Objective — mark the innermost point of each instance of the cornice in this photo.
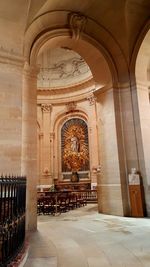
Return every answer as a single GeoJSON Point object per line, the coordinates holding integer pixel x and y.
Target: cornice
{"type": "Point", "coordinates": [65, 100]}
{"type": "Point", "coordinates": [68, 89]}
{"type": "Point", "coordinates": [10, 57]}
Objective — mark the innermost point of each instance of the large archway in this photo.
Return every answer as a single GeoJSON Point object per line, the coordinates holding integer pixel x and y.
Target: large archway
{"type": "Point", "coordinates": [111, 91]}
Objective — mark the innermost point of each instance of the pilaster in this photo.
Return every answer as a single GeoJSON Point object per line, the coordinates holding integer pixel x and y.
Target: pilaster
{"type": "Point", "coordinates": [29, 143]}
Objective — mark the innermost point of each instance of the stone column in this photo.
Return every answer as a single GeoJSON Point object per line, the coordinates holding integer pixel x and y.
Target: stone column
{"type": "Point", "coordinates": [46, 110]}
{"type": "Point", "coordinates": [52, 136]}
{"type": "Point", "coordinates": [144, 111]}
{"type": "Point", "coordinates": [110, 199]}
{"type": "Point", "coordinates": [29, 143]}
{"type": "Point", "coordinates": [11, 68]}
{"type": "Point", "coordinates": [121, 146]}
{"type": "Point", "coordinates": [40, 155]}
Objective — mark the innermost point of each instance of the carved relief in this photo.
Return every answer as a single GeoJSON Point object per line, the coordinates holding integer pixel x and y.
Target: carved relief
{"type": "Point", "coordinates": [77, 23]}
{"type": "Point", "coordinates": [64, 69]}
{"type": "Point", "coordinates": [46, 107]}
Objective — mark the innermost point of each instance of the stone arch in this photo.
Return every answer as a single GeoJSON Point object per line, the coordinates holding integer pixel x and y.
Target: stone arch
{"type": "Point", "coordinates": [101, 52]}
{"type": "Point", "coordinates": [136, 52]}
{"type": "Point", "coordinates": [51, 25]}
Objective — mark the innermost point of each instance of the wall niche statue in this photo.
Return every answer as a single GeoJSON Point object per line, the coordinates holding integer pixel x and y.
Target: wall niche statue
{"type": "Point", "coordinates": [74, 146]}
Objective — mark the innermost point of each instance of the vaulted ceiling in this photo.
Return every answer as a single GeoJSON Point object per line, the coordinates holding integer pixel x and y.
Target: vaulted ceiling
{"type": "Point", "coordinates": [122, 22]}
{"type": "Point", "coordinates": [123, 19]}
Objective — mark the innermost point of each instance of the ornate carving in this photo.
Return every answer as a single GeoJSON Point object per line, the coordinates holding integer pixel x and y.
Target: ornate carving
{"type": "Point", "coordinates": [46, 107]}
{"type": "Point", "coordinates": [77, 23]}
{"type": "Point", "coordinates": [75, 154]}
{"type": "Point", "coordinates": [91, 100]}
{"type": "Point", "coordinates": [71, 106]}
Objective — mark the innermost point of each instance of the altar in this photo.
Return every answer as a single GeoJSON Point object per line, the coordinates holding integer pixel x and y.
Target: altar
{"type": "Point", "coordinates": [72, 186]}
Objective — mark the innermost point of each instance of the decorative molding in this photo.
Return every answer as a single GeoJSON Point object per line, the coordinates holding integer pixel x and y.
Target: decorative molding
{"type": "Point", "coordinates": [46, 107]}
{"type": "Point", "coordinates": [77, 23]}
{"type": "Point", "coordinates": [67, 89]}
{"type": "Point", "coordinates": [10, 57]}
{"type": "Point", "coordinates": [52, 135]}
{"type": "Point", "coordinates": [6, 51]}
{"type": "Point", "coordinates": [71, 106]}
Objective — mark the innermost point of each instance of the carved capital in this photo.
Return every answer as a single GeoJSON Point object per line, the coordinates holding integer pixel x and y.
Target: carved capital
{"type": "Point", "coordinates": [77, 23]}
{"type": "Point", "coordinates": [52, 135]}
{"type": "Point", "coordinates": [46, 107]}
{"type": "Point", "coordinates": [91, 100]}
{"type": "Point", "coordinates": [30, 71]}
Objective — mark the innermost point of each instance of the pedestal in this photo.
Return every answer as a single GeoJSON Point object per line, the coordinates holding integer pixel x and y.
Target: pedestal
{"type": "Point", "coordinates": [136, 200]}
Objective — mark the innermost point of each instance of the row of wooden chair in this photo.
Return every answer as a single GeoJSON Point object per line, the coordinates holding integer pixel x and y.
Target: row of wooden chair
{"type": "Point", "coordinates": [59, 203]}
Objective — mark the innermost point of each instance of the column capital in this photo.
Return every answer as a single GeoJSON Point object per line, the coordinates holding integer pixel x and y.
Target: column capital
{"type": "Point", "coordinates": [30, 70]}
{"type": "Point", "coordinates": [52, 135]}
{"type": "Point", "coordinates": [91, 100]}
{"type": "Point", "coordinates": [46, 107]}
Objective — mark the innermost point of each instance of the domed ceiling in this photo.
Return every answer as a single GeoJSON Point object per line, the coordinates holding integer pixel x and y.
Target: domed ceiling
{"type": "Point", "coordinates": [61, 67]}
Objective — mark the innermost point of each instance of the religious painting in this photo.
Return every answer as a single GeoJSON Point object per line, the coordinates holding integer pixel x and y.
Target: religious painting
{"type": "Point", "coordinates": [74, 144]}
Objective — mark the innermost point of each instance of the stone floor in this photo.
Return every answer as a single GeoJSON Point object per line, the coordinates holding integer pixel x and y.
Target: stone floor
{"type": "Point", "coordinates": [84, 238]}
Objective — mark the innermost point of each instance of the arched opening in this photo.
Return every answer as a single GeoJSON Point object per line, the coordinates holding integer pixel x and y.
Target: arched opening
{"type": "Point", "coordinates": [65, 92]}
{"type": "Point", "coordinates": [102, 101]}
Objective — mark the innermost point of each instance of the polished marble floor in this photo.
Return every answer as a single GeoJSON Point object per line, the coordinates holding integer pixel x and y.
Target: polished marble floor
{"type": "Point", "coordinates": [84, 238]}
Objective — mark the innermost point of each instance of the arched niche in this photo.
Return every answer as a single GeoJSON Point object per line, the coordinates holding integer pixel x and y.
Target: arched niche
{"type": "Point", "coordinates": [61, 120]}
{"type": "Point", "coordinates": [75, 148]}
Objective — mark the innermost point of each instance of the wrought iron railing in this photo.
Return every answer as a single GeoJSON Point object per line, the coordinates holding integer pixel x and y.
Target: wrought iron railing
{"type": "Point", "coordinates": [12, 217]}
{"type": "Point", "coordinates": [89, 195]}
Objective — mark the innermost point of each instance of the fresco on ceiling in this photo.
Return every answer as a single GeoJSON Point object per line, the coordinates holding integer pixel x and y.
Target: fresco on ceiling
{"type": "Point", "coordinates": [74, 146]}
{"type": "Point", "coordinates": [61, 67]}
